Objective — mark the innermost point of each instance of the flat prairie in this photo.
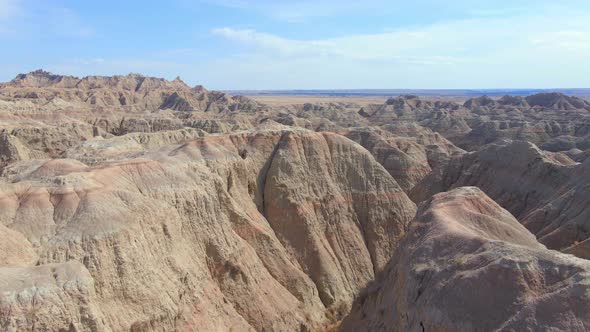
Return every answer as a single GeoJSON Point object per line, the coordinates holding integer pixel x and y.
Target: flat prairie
{"type": "Point", "coordinates": [281, 100]}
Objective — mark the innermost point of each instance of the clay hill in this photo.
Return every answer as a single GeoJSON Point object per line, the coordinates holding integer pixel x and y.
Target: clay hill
{"type": "Point", "coordinates": [132, 203]}
{"type": "Point", "coordinates": [467, 265]}
{"type": "Point", "coordinates": [548, 192]}
{"type": "Point", "coordinates": [131, 92]}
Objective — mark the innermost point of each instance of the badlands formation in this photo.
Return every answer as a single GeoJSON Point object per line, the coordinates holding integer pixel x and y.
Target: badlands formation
{"type": "Point", "coordinates": [132, 203]}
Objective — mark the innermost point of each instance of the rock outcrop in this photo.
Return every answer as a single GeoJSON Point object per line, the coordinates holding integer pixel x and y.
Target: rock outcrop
{"type": "Point", "coordinates": [12, 149]}
{"type": "Point", "coordinates": [467, 265]}
{"type": "Point", "coordinates": [263, 230]}
{"type": "Point", "coordinates": [547, 196]}
{"type": "Point", "coordinates": [557, 101]}
{"type": "Point", "coordinates": [407, 166]}
{"type": "Point", "coordinates": [132, 92]}
{"type": "Point", "coordinates": [51, 297]}
{"type": "Point", "coordinates": [483, 120]}
{"type": "Point", "coordinates": [479, 102]}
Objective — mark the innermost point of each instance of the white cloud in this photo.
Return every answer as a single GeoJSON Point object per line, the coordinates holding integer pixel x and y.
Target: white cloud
{"type": "Point", "coordinates": [395, 46]}
{"type": "Point", "coordinates": [567, 40]}
{"type": "Point", "coordinates": [518, 51]}
{"type": "Point", "coordinates": [444, 43]}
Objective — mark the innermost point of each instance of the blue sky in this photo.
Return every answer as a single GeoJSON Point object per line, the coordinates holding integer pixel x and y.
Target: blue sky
{"type": "Point", "coordinates": [320, 44]}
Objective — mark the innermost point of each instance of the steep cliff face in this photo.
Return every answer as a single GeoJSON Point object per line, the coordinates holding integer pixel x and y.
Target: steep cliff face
{"type": "Point", "coordinates": [253, 230]}
{"type": "Point", "coordinates": [405, 160]}
{"type": "Point", "coordinates": [467, 265]}
{"type": "Point", "coordinates": [12, 150]}
{"type": "Point", "coordinates": [362, 195]}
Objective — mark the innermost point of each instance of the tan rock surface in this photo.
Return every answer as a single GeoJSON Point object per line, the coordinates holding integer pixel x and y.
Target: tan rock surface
{"type": "Point", "coordinates": [254, 230]}
{"type": "Point", "coordinates": [137, 203]}
{"type": "Point", "coordinates": [52, 297]}
{"type": "Point", "coordinates": [548, 195]}
{"type": "Point", "coordinates": [467, 265]}
{"type": "Point", "coordinates": [405, 160]}
{"type": "Point", "coordinates": [132, 92]}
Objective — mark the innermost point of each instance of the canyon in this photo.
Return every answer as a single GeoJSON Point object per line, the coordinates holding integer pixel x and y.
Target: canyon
{"type": "Point", "coordinates": [133, 203]}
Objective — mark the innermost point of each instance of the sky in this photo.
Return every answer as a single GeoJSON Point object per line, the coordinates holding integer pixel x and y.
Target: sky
{"type": "Point", "coordinates": [309, 44]}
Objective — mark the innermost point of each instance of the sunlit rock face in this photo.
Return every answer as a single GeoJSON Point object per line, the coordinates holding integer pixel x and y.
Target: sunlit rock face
{"type": "Point", "coordinates": [467, 264]}
{"type": "Point", "coordinates": [257, 230]}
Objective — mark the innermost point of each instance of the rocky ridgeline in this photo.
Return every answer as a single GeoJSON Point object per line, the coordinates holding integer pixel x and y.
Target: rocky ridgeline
{"type": "Point", "coordinates": [131, 92]}
{"type": "Point", "coordinates": [466, 264]}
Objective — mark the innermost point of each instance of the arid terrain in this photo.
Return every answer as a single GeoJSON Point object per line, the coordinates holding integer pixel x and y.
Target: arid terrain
{"type": "Point", "coordinates": [287, 100]}
{"type": "Point", "coordinates": [133, 203]}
